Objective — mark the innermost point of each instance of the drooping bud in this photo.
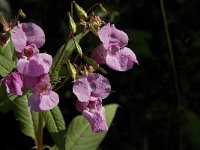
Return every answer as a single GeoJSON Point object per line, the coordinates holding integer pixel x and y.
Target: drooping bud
{"type": "Point", "coordinates": [78, 47]}
{"type": "Point", "coordinates": [22, 14]}
{"type": "Point", "coordinates": [71, 69]}
{"type": "Point", "coordinates": [72, 24]}
{"type": "Point", "coordinates": [80, 12]}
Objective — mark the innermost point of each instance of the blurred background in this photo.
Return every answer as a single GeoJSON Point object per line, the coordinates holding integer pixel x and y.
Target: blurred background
{"type": "Point", "coordinates": [150, 116]}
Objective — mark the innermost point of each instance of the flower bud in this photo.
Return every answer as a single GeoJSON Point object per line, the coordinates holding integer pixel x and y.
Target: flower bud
{"type": "Point", "coordinates": [78, 47]}
{"type": "Point", "coordinates": [80, 12]}
{"type": "Point", "coordinates": [72, 24]}
{"type": "Point", "coordinates": [22, 14]}
{"type": "Point", "coordinates": [72, 69]}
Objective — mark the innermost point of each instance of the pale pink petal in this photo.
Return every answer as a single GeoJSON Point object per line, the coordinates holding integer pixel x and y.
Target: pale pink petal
{"type": "Point", "coordinates": [36, 65]}
{"type": "Point", "coordinates": [49, 101]}
{"type": "Point", "coordinates": [100, 86]}
{"type": "Point", "coordinates": [82, 89]}
{"type": "Point", "coordinates": [18, 38]}
{"type": "Point", "coordinates": [40, 102]}
{"type": "Point", "coordinates": [35, 35]}
{"type": "Point", "coordinates": [110, 35]}
{"type": "Point", "coordinates": [122, 60]}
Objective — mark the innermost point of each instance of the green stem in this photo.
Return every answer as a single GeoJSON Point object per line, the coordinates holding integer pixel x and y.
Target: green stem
{"type": "Point", "coordinates": [179, 102]}
{"type": "Point", "coordinates": [40, 133]}
{"type": "Point", "coordinates": [63, 83]}
{"type": "Point", "coordinates": [93, 6]}
{"type": "Point", "coordinates": [170, 50]}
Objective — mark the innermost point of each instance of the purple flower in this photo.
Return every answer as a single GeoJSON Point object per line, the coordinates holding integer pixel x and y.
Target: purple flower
{"type": "Point", "coordinates": [94, 112]}
{"type": "Point", "coordinates": [91, 87]}
{"type": "Point", "coordinates": [14, 83]}
{"type": "Point", "coordinates": [112, 51]}
{"type": "Point", "coordinates": [26, 34]}
{"type": "Point", "coordinates": [37, 65]}
{"type": "Point", "coordinates": [43, 98]}
{"type": "Point", "coordinates": [31, 82]}
{"type": "Point", "coordinates": [90, 90]}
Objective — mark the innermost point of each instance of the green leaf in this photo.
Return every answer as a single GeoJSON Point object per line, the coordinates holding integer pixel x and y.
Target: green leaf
{"type": "Point", "coordinates": [80, 136]}
{"type": "Point", "coordinates": [56, 126]}
{"type": "Point", "coordinates": [63, 54]}
{"type": "Point", "coordinates": [27, 118]}
{"type": "Point", "coordinates": [8, 50]}
{"type": "Point", "coordinates": [6, 66]}
{"type": "Point", "coordinates": [5, 103]}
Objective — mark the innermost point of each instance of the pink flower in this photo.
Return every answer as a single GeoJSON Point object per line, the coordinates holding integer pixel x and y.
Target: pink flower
{"type": "Point", "coordinates": [94, 112]}
{"type": "Point", "coordinates": [91, 87]}
{"type": "Point", "coordinates": [14, 83]}
{"type": "Point", "coordinates": [43, 98]}
{"type": "Point", "coordinates": [26, 34]}
{"type": "Point", "coordinates": [90, 90]}
{"type": "Point", "coordinates": [36, 65]}
{"type": "Point", "coordinates": [112, 51]}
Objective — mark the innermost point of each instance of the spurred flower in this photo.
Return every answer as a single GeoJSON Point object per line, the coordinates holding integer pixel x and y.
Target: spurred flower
{"type": "Point", "coordinates": [90, 90]}
{"type": "Point", "coordinates": [43, 98]}
{"type": "Point", "coordinates": [94, 112]}
{"type": "Point", "coordinates": [91, 87]}
{"type": "Point", "coordinates": [37, 65]}
{"type": "Point", "coordinates": [25, 34]}
{"type": "Point", "coordinates": [14, 83]}
{"type": "Point", "coordinates": [112, 51]}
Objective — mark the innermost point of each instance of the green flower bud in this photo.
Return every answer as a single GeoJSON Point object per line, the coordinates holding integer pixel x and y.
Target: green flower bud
{"type": "Point", "coordinates": [72, 24]}
{"type": "Point", "coordinates": [78, 47]}
{"type": "Point", "coordinates": [80, 12]}
{"type": "Point", "coordinates": [71, 69]}
{"type": "Point", "coordinates": [22, 14]}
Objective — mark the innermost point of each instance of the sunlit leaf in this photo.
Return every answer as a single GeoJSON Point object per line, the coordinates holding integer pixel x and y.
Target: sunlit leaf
{"type": "Point", "coordinates": [27, 118]}
{"type": "Point", "coordinates": [56, 126]}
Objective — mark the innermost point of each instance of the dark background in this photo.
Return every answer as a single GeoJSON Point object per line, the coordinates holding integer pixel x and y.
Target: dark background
{"type": "Point", "coordinates": [149, 117]}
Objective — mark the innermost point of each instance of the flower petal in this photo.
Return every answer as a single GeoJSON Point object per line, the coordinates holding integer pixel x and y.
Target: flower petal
{"type": "Point", "coordinates": [14, 83]}
{"type": "Point", "coordinates": [99, 54]}
{"type": "Point", "coordinates": [97, 120]}
{"type": "Point", "coordinates": [18, 38]}
{"type": "Point", "coordinates": [122, 60]}
{"type": "Point", "coordinates": [100, 86]}
{"type": "Point", "coordinates": [108, 34]}
{"type": "Point", "coordinates": [30, 82]}
{"type": "Point", "coordinates": [35, 35]}
{"type": "Point", "coordinates": [40, 102]}
{"type": "Point", "coordinates": [82, 89]}
{"type": "Point", "coordinates": [36, 66]}
{"type": "Point", "coordinates": [49, 101]}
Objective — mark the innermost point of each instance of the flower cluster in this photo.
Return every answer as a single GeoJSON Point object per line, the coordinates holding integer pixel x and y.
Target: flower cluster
{"type": "Point", "coordinates": [32, 68]}
{"type": "Point", "coordinates": [91, 89]}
